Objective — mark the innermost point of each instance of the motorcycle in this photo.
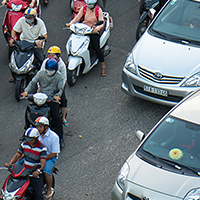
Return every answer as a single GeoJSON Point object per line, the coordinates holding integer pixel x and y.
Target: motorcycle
{"type": "Point", "coordinates": [81, 56]}
{"type": "Point", "coordinates": [76, 5]}
{"type": "Point", "coordinates": [146, 17]}
{"type": "Point", "coordinates": [15, 11]}
{"type": "Point", "coordinates": [23, 65]}
{"type": "Point", "coordinates": [38, 107]}
{"type": "Point", "coordinates": [17, 184]}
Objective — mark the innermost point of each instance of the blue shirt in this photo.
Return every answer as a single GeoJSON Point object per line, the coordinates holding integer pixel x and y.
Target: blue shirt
{"type": "Point", "coordinates": [51, 141]}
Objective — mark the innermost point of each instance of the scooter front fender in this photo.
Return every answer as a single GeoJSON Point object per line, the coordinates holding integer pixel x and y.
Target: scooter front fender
{"type": "Point", "coordinates": [74, 62]}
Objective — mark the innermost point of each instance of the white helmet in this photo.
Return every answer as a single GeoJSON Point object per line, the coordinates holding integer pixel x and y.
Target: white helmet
{"type": "Point", "coordinates": [31, 133]}
{"type": "Point", "coordinates": [91, 3]}
{"type": "Point", "coordinates": [41, 121]}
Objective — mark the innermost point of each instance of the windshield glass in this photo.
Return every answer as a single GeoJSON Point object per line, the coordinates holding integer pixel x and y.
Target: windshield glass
{"type": "Point", "coordinates": [180, 19]}
{"type": "Point", "coordinates": [175, 140]}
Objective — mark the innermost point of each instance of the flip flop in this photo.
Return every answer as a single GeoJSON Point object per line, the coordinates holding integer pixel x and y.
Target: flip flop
{"type": "Point", "coordinates": [104, 72]}
{"type": "Point", "coordinates": [65, 123]}
{"type": "Point", "coordinates": [49, 196]}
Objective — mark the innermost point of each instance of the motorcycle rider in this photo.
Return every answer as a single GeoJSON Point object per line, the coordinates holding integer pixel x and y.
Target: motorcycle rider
{"type": "Point", "coordinates": [51, 140]}
{"type": "Point", "coordinates": [91, 14]}
{"type": "Point", "coordinates": [30, 27]}
{"type": "Point", "coordinates": [55, 52]}
{"type": "Point", "coordinates": [51, 83]}
{"type": "Point", "coordinates": [34, 153]}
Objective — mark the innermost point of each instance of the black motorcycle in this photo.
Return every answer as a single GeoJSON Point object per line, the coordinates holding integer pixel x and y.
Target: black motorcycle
{"type": "Point", "coordinates": [23, 65]}
{"type": "Point", "coordinates": [37, 107]}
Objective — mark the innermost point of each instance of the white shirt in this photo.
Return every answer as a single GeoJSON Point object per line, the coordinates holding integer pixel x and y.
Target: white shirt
{"type": "Point", "coordinates": [51, 141]}
{"type": "Point", "coordinates": [61, 67]}
{"type": "Point", "coordinates": [30, 33]}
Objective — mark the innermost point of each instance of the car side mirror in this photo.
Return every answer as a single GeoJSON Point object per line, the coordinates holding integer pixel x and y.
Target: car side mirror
{"type": "Point", "coordinates": [140, 135]}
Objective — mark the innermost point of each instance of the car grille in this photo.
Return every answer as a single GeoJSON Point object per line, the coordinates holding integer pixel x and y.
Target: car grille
{"type": "Point", "coordinates": [160, 78]}
{"type": "Point", "coordinates": [168, 98]}
{"type": "Point", "coordinates": [133, 197]}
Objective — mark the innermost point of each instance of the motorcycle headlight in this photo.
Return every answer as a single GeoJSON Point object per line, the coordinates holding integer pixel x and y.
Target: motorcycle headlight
{"type": "Point", "coordinates": [193, 81]}
{"type": "Point", "coordinates": [129, 64]}
{"type": "Point", "coordinates": [193, 194]}
{"type": "Point", "coordinates": [16, 7]}
{"type": "Point", "coordinates": [123, 173]}
{"type": "Point", "coordinates": [27, 66]}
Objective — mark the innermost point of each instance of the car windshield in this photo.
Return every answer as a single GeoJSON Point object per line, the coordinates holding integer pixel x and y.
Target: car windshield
{"type": "Point", "coordinates": [175, 140]}
{"type": "Point", "coordinates": [179, 20]}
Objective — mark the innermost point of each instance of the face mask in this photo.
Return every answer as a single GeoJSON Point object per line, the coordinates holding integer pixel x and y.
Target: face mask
{"type": "Point", "coordinates": [54, 58]}
{"type": "Point", "coordinates": [90, 6]}
{"type": "Point", "coordinates": [50, 72]}
{"type": "Point", "coordinates": [29, 21]}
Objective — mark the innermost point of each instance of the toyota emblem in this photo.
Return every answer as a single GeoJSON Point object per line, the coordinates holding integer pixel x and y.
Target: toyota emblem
{"type": "Point", "coordinates": [158, 75]}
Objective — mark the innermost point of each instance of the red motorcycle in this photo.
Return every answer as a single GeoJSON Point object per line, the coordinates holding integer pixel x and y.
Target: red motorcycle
{"type": "Point", "coordinates": [76, 5]}
{"type": "Point", "coordinates": [17, 184]}
{"type": "Point", "coordinates": [15, 11]}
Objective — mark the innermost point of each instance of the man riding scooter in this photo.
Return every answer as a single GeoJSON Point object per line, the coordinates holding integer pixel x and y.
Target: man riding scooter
{"type": "Point", "coordinates": [51, 83]}
{"type": "Point", "coordinates": [34, 153]}
{"type": "Point", "coordinates": [51, 140]}
{"type": "Point", "coordinates": [30, 27]}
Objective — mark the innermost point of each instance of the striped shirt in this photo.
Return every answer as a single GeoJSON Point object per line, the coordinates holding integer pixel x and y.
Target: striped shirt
{"type": "Point", "coordinates": [32, 155]}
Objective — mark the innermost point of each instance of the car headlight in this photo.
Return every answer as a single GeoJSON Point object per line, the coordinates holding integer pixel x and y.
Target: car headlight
{"type": "Point", "coordinates": [123, 173]}
{"type": "Point", "coordinates": [129, 64]}
{"type": "Point", "coordinates": [193, 194]}
{"type": "Point", "coordinates": [16, 7]}
{"type": "Point", "coordinates": [193, 81]}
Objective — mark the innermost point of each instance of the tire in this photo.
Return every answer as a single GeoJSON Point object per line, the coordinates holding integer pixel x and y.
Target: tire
{"type": "Point", "coordinates": [19, 88]}
{"type": "Point", "coordinates": [141, 29]}
{"type": "Point", "coordinates": [72, 76]}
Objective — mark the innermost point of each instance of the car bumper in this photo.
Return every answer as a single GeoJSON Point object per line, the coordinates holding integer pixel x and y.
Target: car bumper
{"type": "Point", "coordinates": [137, 192]}
{"type": "Point", "coordinates": [134, 86]}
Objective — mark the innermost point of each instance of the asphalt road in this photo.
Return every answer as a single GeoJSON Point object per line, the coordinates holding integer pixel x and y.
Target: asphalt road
{"type": "Point", "coordinates": [102, 119]}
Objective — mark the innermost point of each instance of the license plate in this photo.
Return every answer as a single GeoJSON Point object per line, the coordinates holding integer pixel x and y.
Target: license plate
{"type": "Point", "coordinates": [155, 90]}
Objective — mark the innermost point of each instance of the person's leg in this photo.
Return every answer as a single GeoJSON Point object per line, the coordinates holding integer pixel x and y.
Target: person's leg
{"type": "Point", "coordinates": [63, 105]}
{"type": "Point", "coordinates": [37, 185]}
{"type": "Point", "coordinates": [56, 121]}
{"type": "Point", "coordinates": [48, 174]}
{"type": "Point", "coordinates": [39, 56]}
{"type": "Point", "coordinates": [95, 43]}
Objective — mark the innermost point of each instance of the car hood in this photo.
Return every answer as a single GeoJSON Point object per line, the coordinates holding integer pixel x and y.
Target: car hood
{"type": "Point", "coordinates": [167, 57]}
{"type": "Point", "coordinates": [160, 180]}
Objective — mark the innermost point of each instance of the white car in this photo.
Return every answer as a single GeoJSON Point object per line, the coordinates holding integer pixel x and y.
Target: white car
{"type": "Point", "coordinates": [164, 65]}
{"type": "Point", "coordinates": [166, 165]}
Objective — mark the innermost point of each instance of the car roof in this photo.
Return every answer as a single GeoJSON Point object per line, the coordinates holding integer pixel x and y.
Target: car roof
{"type": "Point", "coordinates": [189, 108]}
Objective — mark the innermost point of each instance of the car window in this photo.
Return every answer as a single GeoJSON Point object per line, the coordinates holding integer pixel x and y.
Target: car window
{"type": "Point", "coordinates": [175, 140]}
{"type": "Point", "coordinates": [179, 19]}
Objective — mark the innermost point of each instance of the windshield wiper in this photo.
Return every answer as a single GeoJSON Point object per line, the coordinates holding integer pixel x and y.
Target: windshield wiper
{"type": "Point", "coordinates": [159, 33]}
{"type": "Point", "coordinates": [174, 164]}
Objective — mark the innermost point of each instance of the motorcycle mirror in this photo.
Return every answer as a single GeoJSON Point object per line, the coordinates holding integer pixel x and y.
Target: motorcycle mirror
{"type": "Point", "coordinates": [99, 23]}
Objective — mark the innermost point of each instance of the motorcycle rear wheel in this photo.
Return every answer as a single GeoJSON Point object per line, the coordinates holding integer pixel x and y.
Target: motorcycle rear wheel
{"type": "Point", "coordinates": [19, 88]}
{"type": "Point", "coordinates": [72, 76]}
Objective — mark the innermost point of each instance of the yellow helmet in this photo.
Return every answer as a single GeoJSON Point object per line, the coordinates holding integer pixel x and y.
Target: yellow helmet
{"type": "Point", "coordinates": [30, 12]}
{"type": "Point", "coordinates": [54, 49]}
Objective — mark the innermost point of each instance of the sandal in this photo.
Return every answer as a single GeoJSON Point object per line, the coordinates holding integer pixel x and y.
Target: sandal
{"type": "Point", "coordinates": [49, 196]}
{"type": "Point", "coordinates": [65, 123]}
{"type": "Point", "coordinates": [104, 72]}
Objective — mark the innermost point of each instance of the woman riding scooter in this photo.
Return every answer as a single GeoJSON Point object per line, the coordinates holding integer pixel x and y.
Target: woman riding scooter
{"type": "Point", "coordinates": [92, 13]}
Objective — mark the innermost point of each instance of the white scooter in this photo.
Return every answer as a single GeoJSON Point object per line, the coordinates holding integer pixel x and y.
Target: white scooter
{"type": "Point", "coordinates": [81, 56]}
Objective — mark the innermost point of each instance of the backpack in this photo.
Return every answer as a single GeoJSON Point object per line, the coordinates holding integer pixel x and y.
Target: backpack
{"type": "Point", "coordinates": [96, 10]}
